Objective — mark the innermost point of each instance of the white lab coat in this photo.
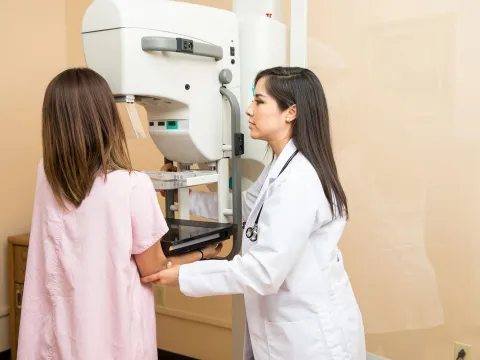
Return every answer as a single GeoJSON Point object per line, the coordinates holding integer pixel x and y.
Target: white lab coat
{"type": "Point", "coordinates": [298, 299]}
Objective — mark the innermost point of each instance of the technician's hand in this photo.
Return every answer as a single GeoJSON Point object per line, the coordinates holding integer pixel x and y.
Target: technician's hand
{"type": "Point", "coordinates": [168, 277]}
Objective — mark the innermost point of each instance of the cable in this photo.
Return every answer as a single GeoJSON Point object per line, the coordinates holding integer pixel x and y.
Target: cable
{"type": "Point", "coordinates": [461, 355]}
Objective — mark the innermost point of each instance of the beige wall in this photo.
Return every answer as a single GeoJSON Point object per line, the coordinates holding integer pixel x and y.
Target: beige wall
{"type": "Point", "coordinates": [33, 51]}
{"type": "Point", "coordinates": [403, 81]}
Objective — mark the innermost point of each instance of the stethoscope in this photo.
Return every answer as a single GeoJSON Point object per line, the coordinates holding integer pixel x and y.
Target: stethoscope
{"type": "Point", "coordinates": [252, 232]}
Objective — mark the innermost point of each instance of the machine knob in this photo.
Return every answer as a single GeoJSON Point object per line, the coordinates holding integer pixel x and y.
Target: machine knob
{"type": "Point", "coordinates": [225, 76]}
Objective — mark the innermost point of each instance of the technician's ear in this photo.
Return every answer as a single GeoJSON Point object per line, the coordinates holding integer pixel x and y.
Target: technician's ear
{"type": "Point", "coordinates": [291, 114]}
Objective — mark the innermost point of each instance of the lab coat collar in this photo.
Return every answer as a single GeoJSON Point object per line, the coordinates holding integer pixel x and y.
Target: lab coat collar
{"type": "Point", "coordinates": [278, 163]}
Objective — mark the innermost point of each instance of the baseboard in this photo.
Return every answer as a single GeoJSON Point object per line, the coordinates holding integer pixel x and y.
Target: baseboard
{"type": "Point", "coordinates": [165, 355]}
{"type": "Point", "coordinates": [162, 355]}
{"type": "Point", "coordinates": [5, 355]}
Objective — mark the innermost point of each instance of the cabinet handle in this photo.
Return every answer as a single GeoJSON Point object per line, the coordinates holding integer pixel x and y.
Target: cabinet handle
{"type": "Point", "coordinates": [18, 299]}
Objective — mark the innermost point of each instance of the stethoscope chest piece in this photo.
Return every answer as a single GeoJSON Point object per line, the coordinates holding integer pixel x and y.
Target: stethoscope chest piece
{"type": "Point", "coordinates": [252, 233]}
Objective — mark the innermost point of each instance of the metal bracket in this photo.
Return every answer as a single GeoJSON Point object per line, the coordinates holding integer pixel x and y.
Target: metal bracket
{"type": "Point", "coordinates": [181, 45]}
{"type": "Point", "coordinates": [238, 144]}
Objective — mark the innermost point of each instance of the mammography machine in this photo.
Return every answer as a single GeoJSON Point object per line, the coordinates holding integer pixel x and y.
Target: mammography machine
{"type": "Point", "coordinates": [192, 68]}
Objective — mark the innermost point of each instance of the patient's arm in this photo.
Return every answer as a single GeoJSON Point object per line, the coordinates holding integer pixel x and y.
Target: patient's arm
{"type": "Point", "coordinates": [152, 260]}
{"type": "Point", "coordinates": [148, 226]}
{"type": "Point", "coordinates": [185, 258]}
{"type": "Point", "coordinates": [209, 252]}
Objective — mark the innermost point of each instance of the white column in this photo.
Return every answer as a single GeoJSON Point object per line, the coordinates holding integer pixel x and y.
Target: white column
{"type": "Point", "coordinates": [298, 33]}
{"type": "Point", "coordinates": [247, 8]}
{"type": "Point", "coordinates": [263, 44]}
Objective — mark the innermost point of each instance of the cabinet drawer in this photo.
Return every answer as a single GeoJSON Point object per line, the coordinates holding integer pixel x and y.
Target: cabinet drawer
{"type": "Point", "coordinates": [20, 262]}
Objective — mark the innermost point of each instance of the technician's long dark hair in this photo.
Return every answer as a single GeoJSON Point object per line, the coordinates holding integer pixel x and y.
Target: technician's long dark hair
{"type": "Point", "coordinates": [311, 129]}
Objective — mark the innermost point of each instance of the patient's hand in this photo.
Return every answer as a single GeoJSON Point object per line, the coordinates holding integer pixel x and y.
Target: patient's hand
{"type": "Point", "coordinates": [211, 251]}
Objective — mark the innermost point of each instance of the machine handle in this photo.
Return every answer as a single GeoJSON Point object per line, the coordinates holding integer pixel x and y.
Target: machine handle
{"type": "Point", "coordinates": [186, 46]}
{"type": "Point", "coordinates": [18, 299]}
{"type": "Point", "coordinates": [237, 152]}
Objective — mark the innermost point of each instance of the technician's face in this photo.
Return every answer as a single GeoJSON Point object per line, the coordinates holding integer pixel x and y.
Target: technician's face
{"type": "Point", "coordinates": [266, 120]}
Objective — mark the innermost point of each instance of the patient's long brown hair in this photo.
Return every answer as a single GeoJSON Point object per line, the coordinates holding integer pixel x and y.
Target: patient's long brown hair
{"type": "Point", "coordinates": [82, 134]}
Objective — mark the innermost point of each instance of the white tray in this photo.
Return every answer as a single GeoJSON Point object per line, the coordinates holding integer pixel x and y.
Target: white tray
{"type": "Point", "coordinates": [168, 180]}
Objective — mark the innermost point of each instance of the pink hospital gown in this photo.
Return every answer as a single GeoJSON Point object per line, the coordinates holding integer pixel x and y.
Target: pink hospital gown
{"type": "Point", "coordinates": [83, 298]}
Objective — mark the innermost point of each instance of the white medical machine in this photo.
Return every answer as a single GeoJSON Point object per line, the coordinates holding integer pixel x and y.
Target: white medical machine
{"type": "Point", "coordinates": [192, 68]}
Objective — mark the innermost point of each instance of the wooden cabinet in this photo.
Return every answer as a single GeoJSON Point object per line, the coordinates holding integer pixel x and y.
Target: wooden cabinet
{"type": "Point", "coordinates": [17, 260]}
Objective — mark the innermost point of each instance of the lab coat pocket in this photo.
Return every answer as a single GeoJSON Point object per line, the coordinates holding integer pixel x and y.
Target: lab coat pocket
{"type": "Point", "coordinates": [345, 308]}
{"type": "Point", "coordinates": [297, 340]}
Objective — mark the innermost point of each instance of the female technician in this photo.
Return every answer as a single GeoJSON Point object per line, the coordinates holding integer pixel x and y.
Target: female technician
{"type": "Point", "coordinates": [298, 298]}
